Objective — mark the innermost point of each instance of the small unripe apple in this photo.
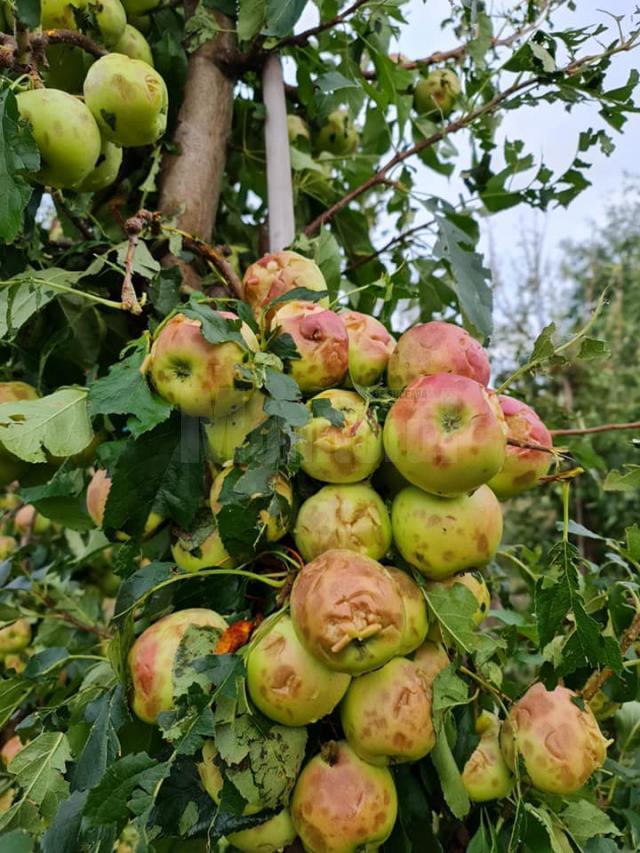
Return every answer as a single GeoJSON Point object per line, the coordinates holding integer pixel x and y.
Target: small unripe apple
{"type": "Point", "coordinates": [279, 273]}
{"type": "Point", "coordinates": [386, 714]}
{"type": "Point", "coordinates": [110, 18]}
{"type": "Point", "coordinates": [444, 536]}
{"type": "Point", "coordinates": [269, 837]}
{"type": "Point", "coordinates": [97, 494]}
{"type": "Point", "coordinates": [14, 663]}
{"type": "Point", "coordinates": [486, 775]}
{"type": "Point", "coordinates": [370, 346]}
{"type": "Point", "coordinates": [436, 347]}
{"type": "Point", "coordinates": [28, 519]}
{"type": "Point", "coordinates": [139, 7]}
{"type": "Point", "coordinates": [66, 134]}
{"type": "Point", "coordinates": [603, 707]}
{"type": "Point", "coordinates": [350, 516]}
{"type": "Point", "coordinates": [15, 636]}
{"type": "Point", "coordinates": [286, 682]}
{"type": "Point", "coordinates": [8, 545]}
{"type": "Point", "coordinates": [128, 99]}
{"type": "Point", "coordinates": [415, 611]}
{"type": "Point", "coordinates": [523, 467]}
{"type": "Point", "coordinates": [106, 169]}
{"type": "Point", "coordinates": [477, 586]}
{"type": "Point", "coordinates": [59, 14]}
{"type": "Point", "coordinates": [207, 554]}
{"type": "Point", "coordinates": [430, 659]}
{"type": "Point", "coordinates": [347, 453]}
{"type": "Point", "coordinates": [153, 655]}
{"type": "Point", "coordinates": [10, 749]}
{"type": "Point", "coordinates": [435, 96]}
{"type": "Point", "coordinates": [322, 343]}
{"type": "Point", "coordinates": [338, 135]}
{"type": "Point", "coordinates": [348, 612]}
{"type": "Point", "coordinates": [275, 523]}
{"type": "Point", "coordinates": [342, 804]}
{"type": "Point", "coordinates": [226, 435]}
{"type": "Point", "coordinates": [201, 378]}
{"type": "Point", "coordinates": [9, 501]}
{"type": "Point", "coordinates": [297, 127]}
{"type": "Point", "coordinates": [134, 45]}
{"type": "Point", "coordinates": [446, 434]}
{"type": "Point", "coordinates": [561, 744]}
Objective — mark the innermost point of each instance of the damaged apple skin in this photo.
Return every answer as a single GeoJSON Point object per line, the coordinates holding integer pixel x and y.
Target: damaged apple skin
{"type": "Point", "coordinates": [370, 347]}
{"type": "Point", "coordinates": [416, 622]}
{"type": "Point", "coordinates": [269, 837]}
{"type": "Point", "coordinates": [278, 273]}
{"type": "Point", "coordinates": [486, 775]}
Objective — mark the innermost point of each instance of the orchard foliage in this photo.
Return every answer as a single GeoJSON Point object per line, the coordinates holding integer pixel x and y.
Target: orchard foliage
{"type": "Point", "coordinates": [239, 522]}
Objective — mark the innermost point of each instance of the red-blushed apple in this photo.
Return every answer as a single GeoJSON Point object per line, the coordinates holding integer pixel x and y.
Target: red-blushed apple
{"type": "Point", "coordinates": [201, 378]}
{"type": "Point", "coordinates": [271, 836]}
{"type": "Point", "coordinates": [370, 346]}
{"type": "Point", "coordinates": [446, 434]}
{"type": "Point", "coordinates": [275, 525]}
{"type": "Point", "coordinates": [97, 494]}
{"type": "Point", "coordinates": [435, 96]}
{"type": "Point", "coordinates": [322, 343]}
{"type": "Point", "coordinates": [415, 610]}
{"type": "Point", "coordinates": [350, 516]}
{"type": "Point", "coordinates": [8, 545]}
{"type": "Point", "coordinates": [486, 775]}
{"type": "Point", "coordinates": [279, 273]}
{"type": "Point", "coordinates": [225, 435]}
{"type": "Point", "coordinates": [341, 804]}
{"type": "Point", "coordinates": [431, 659]}
{"type": "Point", "coordinates": [348, 612]}
{"type": "Point", "coordinates": [286, 682]}
{"type": "Point", "coordinates": [386, 714]}
{"type": "Point", "coordinates": [345, 453]}
{"type": "Point", "coordinates": [28, 519]}
{"type": "Point", "coordinates": [153, 655]}
{"type": "Point", "coordinates": [444, 536]}
{"type": "Point", "coordinates": [556, 736]}
{"type": "Point", "coordinates": [523, 467]}
{"type": "Point", "coordinates": [15, 636]}
{"type": "Point", "coordinates": [10, 749]}
{"type": "Point", "coordinates": [436, 347]}
{"type": "Point", "coordinates": [11, 467]}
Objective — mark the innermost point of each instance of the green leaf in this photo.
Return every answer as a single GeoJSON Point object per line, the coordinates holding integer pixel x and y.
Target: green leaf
{"type": "Point", "coordinates": [450, 778]}
{"type": "Point", "coordinates": [141, 583]}
{"type": "Point", "coordinates": [592, 349]}
{"type": "Point", "coordinates": [623, 481]}
{"type": "Point", "coordinates": [110, 801]}
{"type": "Point", "coordinates": [544, 347]}
{"type": "Point", "coordinates": [454, 608]}
{"type": "Point", "coordinates": [584, 820]}
{"type": "Point", "coordinates": [13, 692]}
{"type": "Point", "coordinates": [28, 11]}
{"type": "Point", "coordinates": [25, 294]}
{"type": "Point", "coordinates": [62, 499]}
{"type": "Point", "coordinates": [106, 715]}
{"type": "Point", "coordinates": [633, 541]}
{"type": "Point", "coordinates": [333, 81]}
{"type": "Point", "coordinates": [282, 16]}
{"type": "Point", "coordinates": [17, 841]}
{"type": "Point", "coordinates": [323, 409]}
{"type": "Point", "coordinates": [62, 834]}
{"type": "Point", "coordinates": [251, 17]}
{"type": "Point", "coordinates": [19, 155]}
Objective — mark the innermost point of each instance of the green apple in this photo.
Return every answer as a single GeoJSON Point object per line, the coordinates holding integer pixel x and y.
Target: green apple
{"type": "Point", "coordinates": [431, 659]}
{"type": "Point", "coordinates": [110, 18]}
{"type": "Point", "coordinates": [274, 520]}
{"type": "Point", "coordinates": [338, 134]}
{"type": "Point", "coordinates": [415, 611]}
{"type": "Point", "coordinates": [269, 837]}
{"type": "Point", "coordinates": [370, 347]}
{"type": "Point", "coordinates": [128, 99]}
{"type": "Point", "coordinates": [486, 775]}
{"type": "Point", "coordinates": [8, 545]}
{"type": "Point", "coordinates": [435, 96]}
{"type": "Point", "coordinates": [226, 434]}
{"type": "Point", "coordinates": [297, 127]}
{"type": "Point", "coordinates": [134, 45]}
{"type": "Point", "coordinates": [278, 273]}
{"type": "Point", "coordinates": [15, 636]}
{"type": "Point", "coordinates": [139, 7]}
{"type": "Point", "coordinates": [477, 586]}
{"type": "Point", "coordinates": [192, 557]}
{"type": "Point", "coordinates": [106, 169]}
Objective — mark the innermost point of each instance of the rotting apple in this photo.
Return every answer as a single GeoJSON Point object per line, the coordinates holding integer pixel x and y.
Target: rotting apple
{"type": "Point", "coordinates": [446, 434]}
{"type": "Point", "coordinates": [386, 714]}
{"type": "Point", "coordinates": [343, 804]}
{"type": "Point", "coordinates": [444, 536]}
{"type": "Point", "coordinates": [15, 636]}
{"type": "Point", "coordinates": [345, 453]}
{"type": "Point", "coordinates": [153, 656]}
{"type": "Point", "coordinates": [225, 435]}
{"type": "Point", "coordinates": [106, 169]}
{"type": "Point", "coordinates": [435, 96]}
{"type": "Point", "coordinates": [134, 45]}
{"type": "Point", "coordinates": [278, 273]}
{"type": "Point", "coordinates": [436, 347]}
{"type": "Point", "coordinates": [351, 516]}
{"type": "Point", "coordinates": [348, 612]}
{"type": "Point", "coordinates": [415, 610]}
{"type": "Point", "coordinates": [286, 682]}
{"type": "Point", "coordinates": [370, 347]}
{"type": "Point", "coordinates": [271, 836]}
{"type": "Point", "coordinates": [321, 342]}
{"type": "Point", "coordinates": [338, 135]}
{"type": "Point", "coordinates": [486, 775]}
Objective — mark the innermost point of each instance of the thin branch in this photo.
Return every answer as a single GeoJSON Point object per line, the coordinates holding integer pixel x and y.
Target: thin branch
{"type": "Point", "coordinates": [302, 39]}
{"type": "Point", "coordinates": [213, 256]}
{"type": "Point", "coordinates": [81, 224]}
{"type": "Point", "coordinates": [65, 616]}
{"type": "Point", "coordinates": [73, 37]}
{"type": "Point", "coordinates": [596, 429]}
{"type": "Point", "coordinates": [598, 679]}
{"type": "Point", "coordinates": [399, 238]}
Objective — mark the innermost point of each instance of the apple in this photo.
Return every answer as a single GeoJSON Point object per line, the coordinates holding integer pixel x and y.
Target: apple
{"type": "Point", "coordinates": [15, 663]}
{"type": "Point", "coordinates": [134, 45]}
{"type": "Point", "coordinates": [213, 780]}
{"type": "Point", "coordinates": [28, 519]}
{"type": "Point", "coordinates": [67, 68]}
{"type": "Point", "coordinates": [435, 96]}
{"type": "Point", "coordinates": [269, 837]}
{"type": "Point", "coordinates": [199, 377]}
{"type": "Point", "coordinates": [128, 99]}
{"type": "Point", "coordinates": [66, 134]}
{"type": "Point", "coordinates": [297, 127]}
{"type": "Point", "coordinates": [485, 775]}
{"type": "Point", "coordinates": [341, 454]}
{"type": "Point", "coordinates": [97, 494]}
{"type": "Point", "coordinates": [436, 347]}
{"type": "Point", "coordinates": [446, 434]}
{"type": "Point", "coordinates": [350, 516]}
{"type": "Point", "coordinates": [278, 273]}
{"type": "Point", "coordinates": [8, 545]}
{"type": "Point", "coordinates": [106, 169]}
{"type": "Point", "coordinates": [370, 347]}
{"type": "Point", "coordinates": [286, 682]}
{"type": "Point", "coordinates": [560, 744]}
{"type": "Point", "coordinates": [338, 134]}
{"type": "Point", "coordinates": [342, 804]}
{"type": "Point", "coordinates": [225, 435]}
{"type": "Point", "coordinates": [153, 656]}
{"type": "Point", "coordinates": [477, 586]}
{"type": "Point", "coordinates": [15, 636]}
{"type": "Point", "coordinates": [108, 16]}
{"type": "Point", "coordinates": [522, 468]}
{"type": "Point", "coordinates": [10, 749]}
{"type": "Point", "coordinates": [431, 659]}
{"type": "Point", "coordinates": [139, 7]}
{"type": "Point", "coordinates": [59, 14]}
{"type": "Point", "coordinates": [275, 523]}
{"type": "Point", "coordinates": [11, 467]}
{"type": "Point", "coordinates": [415, 611]}
{"type": "Point", "coordinates": [322, 343]}
{"type": "Point", "coordinates": [110, 19]}
{"type": "Point", "coordinates": [207, 554]}
{"type": "Point", "coordinates": [386, 715]}
{"type": "Point", "coordinates": [348, 611]}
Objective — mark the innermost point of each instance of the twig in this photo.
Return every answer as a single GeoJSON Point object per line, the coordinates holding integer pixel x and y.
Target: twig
{"type": "Point", "coordinates": [526, 445]}
{"type": "Point", "coordinates": [133, 228]}
{"type": "Point", "coordinates": [302, 39]}
{"type": "Point", "coordinates": [596, 429]}
{"type": "Point", "coordinates": [213, 256]}
{"type": "Point", "coordinates": [597, 680]}
{"type": "Point", "coordinates": [399, 238]}
{"type": "Point", "coordinates": [73, 37]}
{"type": "Point", "coordinates": [65, 616]}
{"type": "Point", "coordinates": [81, 224]}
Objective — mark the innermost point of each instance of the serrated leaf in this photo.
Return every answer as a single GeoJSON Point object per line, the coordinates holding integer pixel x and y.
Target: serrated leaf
{"type": "Point", "coordinates": [25, 294]}
{"type": "Point", "coordinates": [450, 778]}
{"type": "Point", "coordinates": [592, 349]}
{"type": "Point", "coordinates": [251, 17]}
{"type": "Point", "coordinates": [282, 16]}
{"type": "Point", "coordinates": [109, 801]}
{"type": "Point", "coordinates": [107, 715]}
{"type": "Point", "coordinates": [627, 480]}
{"type": "Point", "coordinates": [19, 155]}
{"type": "Point", "coordinates": [584, 820]}
{"type": "Point", "coordinates": [62, 834]}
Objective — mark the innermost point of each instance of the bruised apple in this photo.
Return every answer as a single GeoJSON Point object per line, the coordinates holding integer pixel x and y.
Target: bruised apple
{"type": "Point", "coordinates": [66, 134]}
{"type": "Point", "coordinates": [370, 346]}
{"type": "Point", "coordinates": [134, 45]}
{"type": "Point", "coordinates": [486, 775]}
{"type": "Point", "coordinates": [201, 378]}
{"type": "Point", "coordinates": [106, 169]}
{"type": "Point", "coordinates": [225, 435]}
{"type": "Point", "coordinates": [128, 100]}
{"type": "Point", "coordinates": [321, 342]}
{"type": "Point", "coordinates": [350, 516]}
{"type": "Point", "coordinates": [435, 96]}
{"type": "Point", "coordinates": [431, 659]}
{"type": "Point", "coordinates": [444, 536]}
{"type": "Point", "coordinates": [15, 636]}
{"type": "Point", "coordinates": [342, 804]}
{"type": "Point", "coordinates": [436, 347]}
{"type": "Point", "coordinates": [278, 273]}
{"type": "Point", "coordinates": [416, 622]}
{"type": "Point", "coordinates": [523, 467]}
{"type": "Point", "coordinates": [386, 714]}
{"type": "Point", "coordinates": [446, 434]}
{"type": "Point", "coordinates": [269, 837]}
{"type": "Point", "coordinates": [557, 737]}
{"type": "Point", "coordinates": [348, 611]}
{"type": "Point", "coordinates": [286, 682]}
{"type": "Point", "coordinates": [342, 443]}
{"type": "Point", "coordinates": [338, 135]}
{"type": "Point", "coordinates": [155, 653]}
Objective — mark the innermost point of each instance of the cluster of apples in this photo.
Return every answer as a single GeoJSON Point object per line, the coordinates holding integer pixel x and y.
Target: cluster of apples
{"type": "Point", "coordinates": [91, 109]}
